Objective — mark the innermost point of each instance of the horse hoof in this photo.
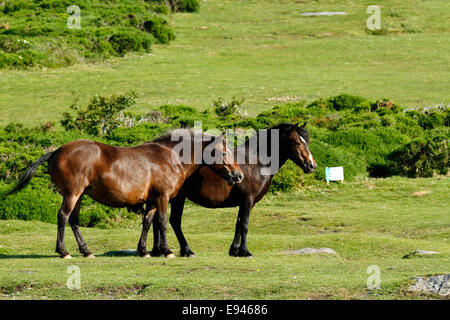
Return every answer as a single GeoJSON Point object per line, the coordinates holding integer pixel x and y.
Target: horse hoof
{"type": "Point", "coordinates": [147, 255]}
{"type": "Point", "coordinates": [67, 256]}
{"type": "Point", "coordinates": [192, 255]}
{"type": "Point", "coordinates": [90, 256]}
{"type": "Point", "coordinates": [170, 256]}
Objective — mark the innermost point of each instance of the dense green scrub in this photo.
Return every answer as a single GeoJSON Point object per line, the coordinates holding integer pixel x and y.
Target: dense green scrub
{"type": "Point", "coordinates": [368, 138]}
{"type": "Point", "coordinates": [52, 34]}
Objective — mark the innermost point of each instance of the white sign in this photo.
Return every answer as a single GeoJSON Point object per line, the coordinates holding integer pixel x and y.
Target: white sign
{"type": "Point", "coordinates": [334, 174]}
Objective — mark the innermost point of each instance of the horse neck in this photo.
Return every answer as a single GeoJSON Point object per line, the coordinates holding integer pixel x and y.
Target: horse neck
{"type": "Point", "coordinates": [191, 167]}
{"type": "Point", "coordinates": [249, 147]}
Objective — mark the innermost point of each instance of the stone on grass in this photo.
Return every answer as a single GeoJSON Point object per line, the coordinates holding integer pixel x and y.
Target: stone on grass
{"type": "Point", "coordinates": [439, 284]}
{"type": "Point", "coordinates": [419, 253]}
{"type": "Point", "coordinates": [323, 13]}
{"type": "Point", "coordinates": [313, 251]}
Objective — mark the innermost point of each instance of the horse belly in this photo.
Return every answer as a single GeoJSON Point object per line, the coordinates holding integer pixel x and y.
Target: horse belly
{"type": "Point", "coordinates": [120, 190]}
{"type": "Point", "coordinates": [214, 194]}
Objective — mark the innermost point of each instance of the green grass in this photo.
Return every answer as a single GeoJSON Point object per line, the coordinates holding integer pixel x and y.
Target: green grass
{"type": "Point", "coordinates": [259, 50]}
{"type": "Point", "coordinates": [367, 222]}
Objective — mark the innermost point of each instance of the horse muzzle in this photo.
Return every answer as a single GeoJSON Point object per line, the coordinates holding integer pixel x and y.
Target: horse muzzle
{"type": "Point", "coordinates": [235, 178]}
{"type": "Point", "coordinates": [309, 168]}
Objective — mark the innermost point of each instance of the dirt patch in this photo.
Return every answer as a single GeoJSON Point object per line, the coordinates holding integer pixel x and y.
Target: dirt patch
{"type": "Point", "coordinates": [14, 288]}
{"type": "Point", "coordinates": [120, 291]}
{"type": "Point", "coordinates": [421, 193]}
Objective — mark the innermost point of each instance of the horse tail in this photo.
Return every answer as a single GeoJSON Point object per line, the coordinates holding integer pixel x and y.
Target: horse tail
{"type": "Point", "coordinates": [28, 175]}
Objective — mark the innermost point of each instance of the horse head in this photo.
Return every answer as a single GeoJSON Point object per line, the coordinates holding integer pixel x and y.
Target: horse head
{"type": "Point", "coordinates": [297, 147]}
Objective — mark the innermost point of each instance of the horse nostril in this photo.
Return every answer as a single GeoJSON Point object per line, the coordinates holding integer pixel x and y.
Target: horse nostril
{"type": "Point", "coordinates": [311, 166]}
{"type": "Point", "coordinates": [237, 177]}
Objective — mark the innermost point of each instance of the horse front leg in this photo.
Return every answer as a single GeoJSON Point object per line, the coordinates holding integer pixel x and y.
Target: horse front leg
{"type": "Point", "coordinates": [234, 248]}
{"type": "Point", "coordinates": [241, 250]}
{"type": "Point", "coordinates": [176, 212]}
{"type": "Point", "coordinates": [146, 223]}
{"type": "Point", "coordinates": [157, 250]}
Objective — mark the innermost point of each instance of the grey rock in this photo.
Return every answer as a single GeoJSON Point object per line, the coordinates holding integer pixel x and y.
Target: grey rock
{"type": "Point", "coordinates": [419, 253]}
{"type": "Point", "coordinates": [323, 13]}
{"type": "Point", "coordinates": [313, 251]}
{"type": "Point", "coordinates": [424, 252]}
{"type": "Point", "coordinates": [439, 284]}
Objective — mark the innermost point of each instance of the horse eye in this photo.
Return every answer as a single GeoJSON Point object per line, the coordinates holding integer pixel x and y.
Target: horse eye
{"type": "Point", "coordinates": [224, 154]}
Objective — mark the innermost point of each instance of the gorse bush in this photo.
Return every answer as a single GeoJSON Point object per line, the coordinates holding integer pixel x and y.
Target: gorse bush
{"type": "Point", "coordinates": [225, 109]}
{"type": "Point", "coordinates": [185, 5]}
{"type": "Point", "coordinates": [366, 137]}
{"type": "Point", "coordinates": [39, 35]}
{"type": "Point", "coordinates": [421, 157]}
{"type": "Point", "coordinates": [180, 5]}
{"type": "Point", "coordinates": [102, 115]}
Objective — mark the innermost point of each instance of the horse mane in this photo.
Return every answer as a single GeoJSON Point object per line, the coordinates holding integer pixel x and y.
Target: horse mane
{"type": "Point", "coordinates": [282, 126]}
{"type": "Point", "coordinates": [301, 131]}
{"type": "Point", "coordinates": [167, 136]}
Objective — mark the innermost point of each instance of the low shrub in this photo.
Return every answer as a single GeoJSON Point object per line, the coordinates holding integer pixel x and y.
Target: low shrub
{"type": "Point", "coordinates": [186, 5]}
{"type": "Point", "coordinates": [158, 27]}
{"type": "Point", "coordinates": [38, 201]}
{"type": "Point", "coordinates": [224, 109]}
{"type": "Point", "coordinates": [180, 5]}
{"type": "Point", "coordinates": [341, 102]}
{"type": "Point", "coordinates": [100, 116]}
{"type": "Point", "coordinates": [123, 42]}
{"type": "Point", "coordinates": [421, 157]}
{"type": "Point", "coordinates": [287, 178]}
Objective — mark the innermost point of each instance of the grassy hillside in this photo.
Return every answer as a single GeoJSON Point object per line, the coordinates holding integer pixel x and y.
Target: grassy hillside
{"type": "Point", "coordinates": [263, 51]}
{"type": "Point", "coordinates": [368, 222]}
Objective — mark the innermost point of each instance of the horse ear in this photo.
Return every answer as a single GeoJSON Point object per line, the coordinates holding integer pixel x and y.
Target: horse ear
{"type": "Point", "coordinates": [223, 137]}
{"type": "Point", "coordinates": [302, 126]}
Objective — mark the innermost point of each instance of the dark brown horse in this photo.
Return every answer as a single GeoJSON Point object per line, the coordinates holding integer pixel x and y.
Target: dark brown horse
{"type": "Point", "coordinates": [206, 189]}
{"type": "Point", "coordinates": [150, 174]}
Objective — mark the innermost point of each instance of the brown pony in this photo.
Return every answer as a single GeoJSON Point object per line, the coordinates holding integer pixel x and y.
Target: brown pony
{"type": "Point", "coordinates": [206, 189]}
{"type": "Point", "coordinates": [150, 174]}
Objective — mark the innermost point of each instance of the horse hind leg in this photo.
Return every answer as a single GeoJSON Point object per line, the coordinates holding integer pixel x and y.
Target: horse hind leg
{"type": "Point", "coordinates": [74, 221]}
{"type": "Point", "coordinates": [162, 202]}
{"type": "Point", "coordinates": [68, 205]}
{"type": "Point", "coordinates": [146, 223]}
